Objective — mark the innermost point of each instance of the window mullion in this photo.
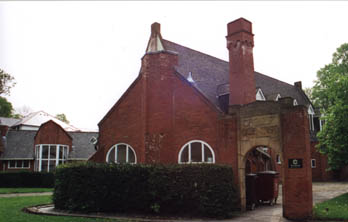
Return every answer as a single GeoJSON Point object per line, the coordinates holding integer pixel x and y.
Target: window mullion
{"type": "Point", "coordinates": [116, 149]}
{"type": "Point", "coordinates": [189, 153]}
{"type": "Point", "coordinates": [57, 155]}
{"type": "Point", "coordinates": [127, 150]}
{"type": "Point", "coordinates": [40, 158]}
{"type": "Point", "coordinates": [202, 147]}
{"type": "Point", "coordinates": [48, 158]}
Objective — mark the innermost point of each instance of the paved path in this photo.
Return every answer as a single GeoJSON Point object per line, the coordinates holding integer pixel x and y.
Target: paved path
{"type": "Point", "coordinates": [25, 194]}
{"type": "Point", "coordinates": [321, 192]}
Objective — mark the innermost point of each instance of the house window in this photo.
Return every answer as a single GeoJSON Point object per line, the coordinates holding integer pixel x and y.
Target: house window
{"type": "Point", "coordinates": [278, 159]}
{"type": "Point", "coordinates": [196, 151]}
{"type": "Point", "coordinates": [18, 164]}
{"type": "Point", "coordinates": [48, 156]}
{"type": "Point", "coordinates": [278, 97]}
{"type": "Point", "coordinates": [295, 102]}
{"type": "Point", "coordinates": [121, 153]}
{"type": "Point", "coordinates": [313, 163]}
{"type": "Point", "coordinates": [310, 117]}
{"type": "Point", "coordinates": [260, 96]}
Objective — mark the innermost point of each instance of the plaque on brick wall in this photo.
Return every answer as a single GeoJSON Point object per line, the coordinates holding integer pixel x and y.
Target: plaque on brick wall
{"type": "Point", "coordinates": [295, 163]}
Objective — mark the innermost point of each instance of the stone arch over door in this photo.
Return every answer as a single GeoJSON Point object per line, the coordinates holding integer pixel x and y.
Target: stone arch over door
{"type": "Point", "coordinates": [263, 130]}
{"type": "Point", "coordinates": [283, 128]}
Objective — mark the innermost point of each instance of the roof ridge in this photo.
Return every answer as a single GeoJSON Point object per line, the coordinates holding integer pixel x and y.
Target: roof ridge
{"type": "Point", "coordinates": [273, 78]}
{"type": "Point", "coordinates": [196, 51]}
{"type": "Point", "coordinates": [225, 61]}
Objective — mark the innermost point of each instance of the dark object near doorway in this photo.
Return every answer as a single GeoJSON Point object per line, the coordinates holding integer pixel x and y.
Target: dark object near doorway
{"type": "Point", "coordinates": [267, 186]}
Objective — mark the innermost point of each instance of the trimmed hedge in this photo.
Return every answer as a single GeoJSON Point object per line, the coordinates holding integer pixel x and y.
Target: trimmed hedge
{"type": "Point", "coordinates": [188, 190]}
{"type": "Point", "coordinates": [26, 179]}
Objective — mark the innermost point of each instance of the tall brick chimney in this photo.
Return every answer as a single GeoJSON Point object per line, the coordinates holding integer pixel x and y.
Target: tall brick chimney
{"type": "Point", "coordinates": [240, 43]}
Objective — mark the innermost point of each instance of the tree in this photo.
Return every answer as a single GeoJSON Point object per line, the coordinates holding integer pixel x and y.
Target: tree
{"type": "Point", "coordinates": [308, 92]}
{"type": "Point", "coordinates": [6, 82]}
{"type": "Point", "coordinates": [62, 117]}
{"type": "Point", "coordinates": [5, 107]}
{"type": "Point", "coordinates": [330, 94]}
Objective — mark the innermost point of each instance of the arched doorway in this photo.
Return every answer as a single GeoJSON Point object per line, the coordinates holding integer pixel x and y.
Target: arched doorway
{"type": "Point", "coordinates": [262, 176]}
{"type": "Point", "coordinates": [283, 128]}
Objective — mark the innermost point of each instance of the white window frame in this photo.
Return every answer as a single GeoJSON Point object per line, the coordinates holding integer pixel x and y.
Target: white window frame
{"type": "Point", "coordinates": [278, 159]}
{"type": "Point", "coordinates": [16, 165]}
{"type": "Point", "coordinates": [310, 117]}
{"type": "Point", "coordinates": [127, 152]}
{"type": "Point", "coordinates": [313, 163]}
{"type": "Point", "coordinates": [278, 97]}
{"type": "Point", "coordinates": [295, 102]}
{"type": "Point", "coordinates": [189, 152]}
{"type": "Point", "coordinates": [260, 96]}
{"type": "Point", "coordinates": [39, 159]}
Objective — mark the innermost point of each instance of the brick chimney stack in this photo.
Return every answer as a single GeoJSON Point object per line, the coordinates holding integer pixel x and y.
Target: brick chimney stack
{"type": "Point", "coordinates": [240, 43]}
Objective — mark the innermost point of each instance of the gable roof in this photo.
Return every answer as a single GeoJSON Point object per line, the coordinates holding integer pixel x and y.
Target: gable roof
{"type": "Point", "coordinates": [82, 147]}
{"type": "Point", "coordinates": [56, 124]}
{"type": "Point", "coordinates": [211, 76]}
{"type": "Point", "coordinates": [19, 144]}
{"type": "Point", "coordinates": [5, 121]}
{"type": "Point", "coordinates": [40, 117]}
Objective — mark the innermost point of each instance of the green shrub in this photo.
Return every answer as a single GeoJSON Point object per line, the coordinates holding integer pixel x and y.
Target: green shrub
{"type": "Point", "coordinates": [191, 190]}
{"type": "Point", "coordinates": [26, 179]}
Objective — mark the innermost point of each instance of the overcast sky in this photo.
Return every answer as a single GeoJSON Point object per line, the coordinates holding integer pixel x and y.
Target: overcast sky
{"type": "Point", "coordinates": [78, 58]}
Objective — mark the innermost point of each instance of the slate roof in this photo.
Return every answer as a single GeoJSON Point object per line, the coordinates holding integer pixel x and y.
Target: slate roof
{"type": "Point", "coordinates": [19, 144]}
{"type": "Point", "coordinates": [211, 76]}
{"type": "Point", "coordinates": [8, 121]}
{"type": "Point", "coordinates": [82, 147]}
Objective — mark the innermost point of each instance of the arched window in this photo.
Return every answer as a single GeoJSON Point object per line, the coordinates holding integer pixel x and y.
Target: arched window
{"type": "Point", "coordinates": [121, 153]}
{"type": "Point", "coordinates": [196, 151]}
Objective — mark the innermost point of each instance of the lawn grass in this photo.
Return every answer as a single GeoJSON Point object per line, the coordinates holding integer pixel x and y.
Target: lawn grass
{"type": "Point", "coordinates": [24, 190]}
{"type": "Point", "coordinates": [11, 211]}
{"type": "Point", "coordinates": [336, 208]}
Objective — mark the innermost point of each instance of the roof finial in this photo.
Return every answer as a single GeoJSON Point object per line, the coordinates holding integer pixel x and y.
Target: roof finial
{"type": "Point", "coordinates": [155, 42]}
{"type": "Point", "coordinates": [189, 78]}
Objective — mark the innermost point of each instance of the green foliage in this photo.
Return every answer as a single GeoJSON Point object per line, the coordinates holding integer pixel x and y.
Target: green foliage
{"type": "Point", "coordinates": [26, 179]}
{"type": "Point", "coordinates": [62, 117]}
{"type": "Point", "coordinates": [6, 108]}
{"type": "Point", "coordinates": [309, 92]}
{"type": "Point", "coordinates": [6, 82]}
{"type": "Point", "coordinates": [330, 93]}
{"type": "Point", "coordinates": [193, 190]}
{"type": "Point", "coordinates": [11, 211]}
{"type": "Point", "coordinates": [336, 208]}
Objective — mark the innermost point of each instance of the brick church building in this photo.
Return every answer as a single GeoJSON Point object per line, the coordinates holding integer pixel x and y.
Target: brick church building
{"type": "Point", "coordinates": [189, 107]}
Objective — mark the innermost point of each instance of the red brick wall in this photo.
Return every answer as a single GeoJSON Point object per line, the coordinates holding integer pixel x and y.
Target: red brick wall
{"type": "Point", "coordinates": [161, 112]}
{"type": "Point", "coordinates": [240, 43]}
{"type": "Point", "coordinates": [319, 173]}
{"type": "Point", "coordinates": [123, 124]}
{"type": "Point", "coordinates": [52, 133]}
{"type": "Point", "coordinates": [297, 190]}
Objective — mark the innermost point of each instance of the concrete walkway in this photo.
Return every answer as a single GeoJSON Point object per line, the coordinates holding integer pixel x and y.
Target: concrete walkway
{"type": "Point", "coordinates": [264, 213]}
{"type": "Point", "coordinates": [26, 194]}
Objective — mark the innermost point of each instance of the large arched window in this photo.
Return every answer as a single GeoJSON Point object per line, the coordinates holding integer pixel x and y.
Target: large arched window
{"type": "Point", "coordinates": [48, 156]}
{"type": "Point", "coordinates": [196, 151]}
{"type": "Point", "coordinates": [121, 153]}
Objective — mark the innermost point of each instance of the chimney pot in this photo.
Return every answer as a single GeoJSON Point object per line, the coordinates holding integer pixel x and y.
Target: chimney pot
{"type": "Point", "coordinates": [155, 29]}
{"type": "Point", "coordinates": [298, 84]}
{"type": "Point", "coordinates": [239, 25]}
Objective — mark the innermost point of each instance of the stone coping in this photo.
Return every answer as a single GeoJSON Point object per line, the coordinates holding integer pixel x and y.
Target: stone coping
{"type": "Point", "coordinates": [48, 209]}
